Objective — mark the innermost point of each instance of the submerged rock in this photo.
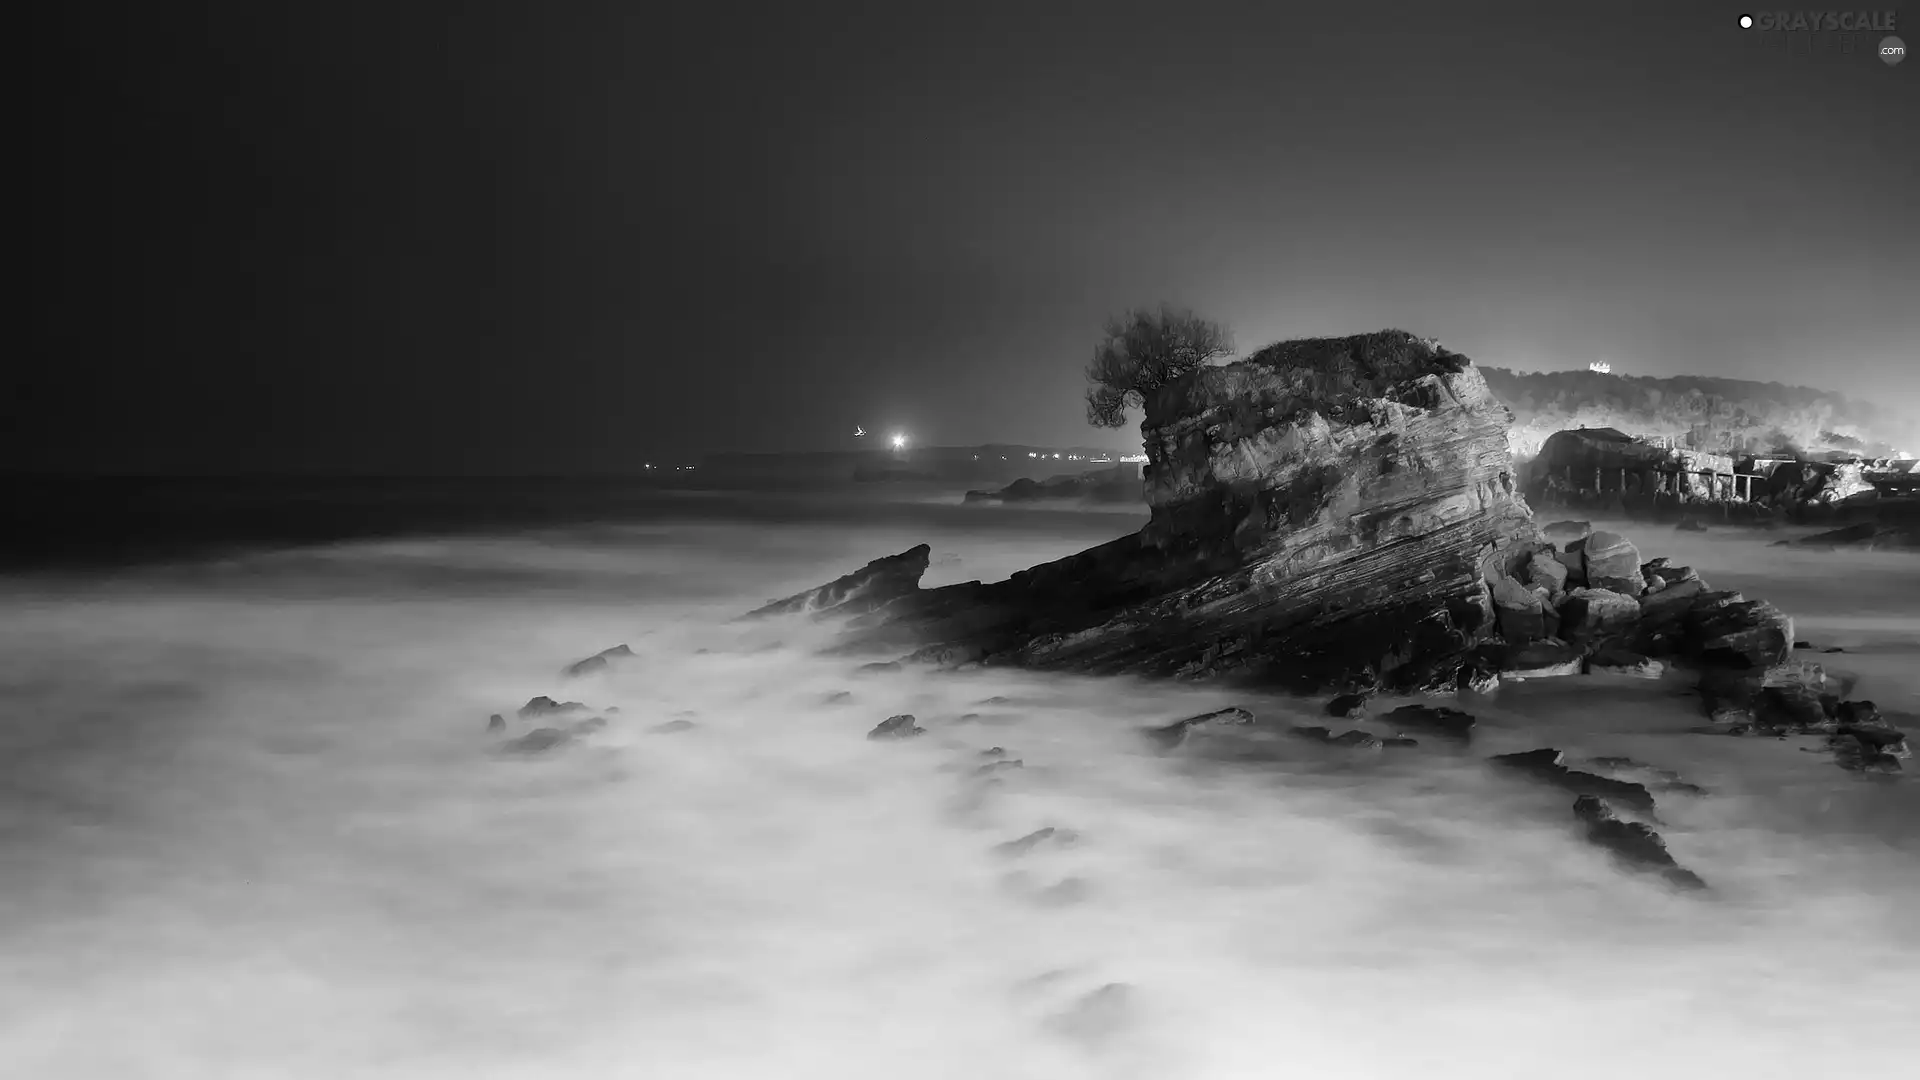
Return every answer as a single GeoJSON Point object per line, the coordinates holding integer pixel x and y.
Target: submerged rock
{"type": "Point", "coordinates": [671, 727]}
{"type": "Point", "coordinates": [1171, 735]}
{"type": "Point", "coordinates": [1632, 844]}
{"type": "Point", "coordinates": [598, 661]}
{"type": "Point", "coordinates": [901, 726]}
{"type": "Point", "coordinates": [546, 706]}
{"type": "Point", "coordinates": [1348, 706]}
{"type": "Point", "coordinates": [537, 741]}
{"type": "Point", "coordinates": [1438, 719]}
{"type": "Point", "coordinates": [496, 722]}
{"type": "Point", "coordinates": [1545, 765]}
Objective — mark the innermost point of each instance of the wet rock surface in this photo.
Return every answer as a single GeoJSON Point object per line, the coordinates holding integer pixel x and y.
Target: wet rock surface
{"type": "Point", "coordinates": [1321, 514]}
{"type": "Point", "coordinates": [900, 726]}
{"type": "Point", "coordinates": [1434, 719]}
{"type": "Point", "coordinates": [1546, 766]}
{"type": "Point", "coordinates": [1632, 844]}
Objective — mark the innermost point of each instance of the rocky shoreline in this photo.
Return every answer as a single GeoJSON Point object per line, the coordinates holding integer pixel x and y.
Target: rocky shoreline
{"type": "Point", "coordinates": [1337, 517]}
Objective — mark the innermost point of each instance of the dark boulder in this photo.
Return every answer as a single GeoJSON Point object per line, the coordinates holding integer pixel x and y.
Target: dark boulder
{"type": "Point", "coordinates": [546, 706]}
{"type": "Point", "coordinates": [1632, 844]}
{"type": "Point", "coordinates": [901, 726]}
{"type": "Point", "coordinates": [873, 586]}
{"type": "Point", "coordinates": [1348, 706]}
{"type": "Point", "coordinates": [537, 741]}
{"type": "Point", "coordinates": [1438, 719]}
{"type": "Point", "coordinates": [598, 661]}
{"type": "Point", "coordinates": [1545, 766]}
{"type": "Point", "coordinates": [1172, 735]}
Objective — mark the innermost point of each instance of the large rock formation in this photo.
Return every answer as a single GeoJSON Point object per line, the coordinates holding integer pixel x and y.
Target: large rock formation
{"type": "Point", "coordinates": [1323, 513]}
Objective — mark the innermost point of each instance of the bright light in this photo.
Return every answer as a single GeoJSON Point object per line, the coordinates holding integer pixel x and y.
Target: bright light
{"type": "Point", "coordinates": [1056, 455]}
{"type": "Point", "coordinates": [1604, 369]}
{"type": "Point", "coordinates": [899, 441]}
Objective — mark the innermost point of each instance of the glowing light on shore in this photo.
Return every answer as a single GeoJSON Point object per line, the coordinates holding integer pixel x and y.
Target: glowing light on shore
{"type": "Point", "coordinates": [1603, 368]}
{"type": "Point", "coordinates": [899, 440]}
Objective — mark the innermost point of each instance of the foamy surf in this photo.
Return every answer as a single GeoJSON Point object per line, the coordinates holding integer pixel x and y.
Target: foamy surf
{"type": "Point", "coordinates": [256, 828]}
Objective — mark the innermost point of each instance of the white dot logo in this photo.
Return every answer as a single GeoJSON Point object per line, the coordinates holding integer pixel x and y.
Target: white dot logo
{"type": "Point", "coordinates": [1746, 22]}
{"type": "Point", "coordinates": [1892, 50]}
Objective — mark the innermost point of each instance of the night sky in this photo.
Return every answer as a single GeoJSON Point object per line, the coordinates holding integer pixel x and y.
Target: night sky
{"type": "Point", "coordinates": [422, 238]}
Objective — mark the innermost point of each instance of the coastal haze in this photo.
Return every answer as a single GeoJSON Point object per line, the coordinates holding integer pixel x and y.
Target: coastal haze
{"type": "Point", "coordinates": [387, 366]}
{"type": "Point", "coordinates": [254, 828]}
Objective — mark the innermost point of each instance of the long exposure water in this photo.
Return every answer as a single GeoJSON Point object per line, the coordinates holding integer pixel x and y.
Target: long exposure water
{"type": "Point", "coordinates": [252, 825]}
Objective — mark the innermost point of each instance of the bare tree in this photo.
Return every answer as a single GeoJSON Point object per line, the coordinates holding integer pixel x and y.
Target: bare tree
{"type": "Point", "coordinates": [1144, 350]}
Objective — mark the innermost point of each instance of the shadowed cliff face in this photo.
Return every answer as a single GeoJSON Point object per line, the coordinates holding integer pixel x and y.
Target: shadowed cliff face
{"type": "Point", "coordinates": [1311, 451]}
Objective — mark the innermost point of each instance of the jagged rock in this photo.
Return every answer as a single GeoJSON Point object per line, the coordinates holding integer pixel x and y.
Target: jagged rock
{"type": "Point", "coordinates": [1542, 660]}
{"type": "Point", "coordinates": [1612, 660]}
{"type": "Point", "coordinates": [496, 722]}
{"type": "Point", "coordinates": [1783, 697]}
{"type": "Point", "coordinates": [879, 667]}
{"type": "Point", "coordinates": [993, 768]}
{"type": "Point", "coordinates": [901, 726]}
{"type": "Point", "coordinates": [546, 706]}
{"type": "Point", "coordinates": [1348, 706]}
{"type": "Point", "coordinates": [670, 727]}
{"type": "Point", "coordinates": [598, 661]}
{"type": "Point", "coordinates": [1612, 562]}
{"type": "Point", "coordinates": [537, 741]}
{"type": "Point", "coordinates": [1320, 510]}
{"type": "Point", "coordinates": [1545, 765]}
{"type": "Point", "coordinates": [1592, 613]}
{"type": "Point", "coordinates": [1632, 844]}
{"type": "Point", "coordinates": [590, 724]}
{"type": "Point", "coordinates": [1171, 735]}
{"type": "Point", "coordinates": [1545, 569]}
{"type": "Point", "coordinates": [1662, 627]}
{"type": "Point", "coordinates": [1520, 611]}
{"type": "Point", "coordinates": [1726, 630]}
{"type": "Point", "coordinates": [1439, 719]}
{"type": "Point", "coordinates": [874, 585]}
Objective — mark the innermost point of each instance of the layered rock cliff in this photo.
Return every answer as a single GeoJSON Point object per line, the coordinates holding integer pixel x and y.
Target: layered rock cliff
{"type": "Point", "coordinates": [1325, 513]}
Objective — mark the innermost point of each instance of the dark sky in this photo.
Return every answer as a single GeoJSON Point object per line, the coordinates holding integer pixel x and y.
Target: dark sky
{"type": "Point", "coordinates": [573, 236]}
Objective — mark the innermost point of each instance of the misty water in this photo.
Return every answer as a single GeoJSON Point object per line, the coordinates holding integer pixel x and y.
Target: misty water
{"type": "Point", "coordinates": [253, 826]}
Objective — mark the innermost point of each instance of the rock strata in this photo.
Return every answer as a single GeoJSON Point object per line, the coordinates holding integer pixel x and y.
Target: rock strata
{"type": "Point", "coordinates": [1322, 515]}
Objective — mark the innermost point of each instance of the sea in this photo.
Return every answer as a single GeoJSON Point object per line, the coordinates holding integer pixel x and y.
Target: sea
{"type": "Point", "coordinates": [253, 823]}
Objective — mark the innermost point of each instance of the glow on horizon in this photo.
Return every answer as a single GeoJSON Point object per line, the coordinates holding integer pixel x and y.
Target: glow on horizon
{"type": "Point", "coordinates": [899, 440]}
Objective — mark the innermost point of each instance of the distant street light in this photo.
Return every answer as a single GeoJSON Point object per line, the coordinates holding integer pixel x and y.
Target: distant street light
{"type": "Point", "coordinates": [899, 441]}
